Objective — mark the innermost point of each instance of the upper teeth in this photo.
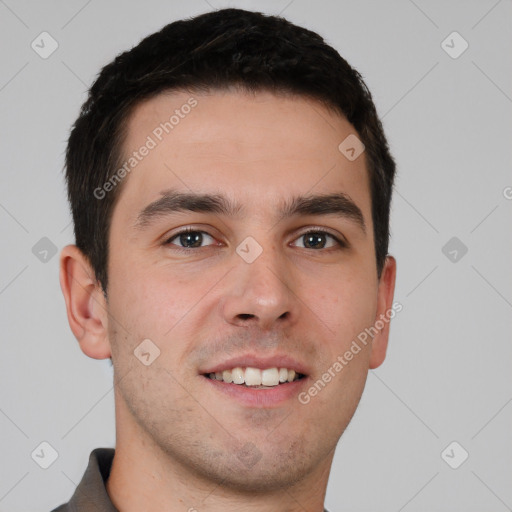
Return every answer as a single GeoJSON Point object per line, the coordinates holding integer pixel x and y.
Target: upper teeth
{"type": "Point", "coordinates": [256, 377]}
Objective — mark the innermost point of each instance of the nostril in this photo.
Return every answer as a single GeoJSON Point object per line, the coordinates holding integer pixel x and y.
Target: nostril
{"type": "Point", "coordinates": [245, 316]}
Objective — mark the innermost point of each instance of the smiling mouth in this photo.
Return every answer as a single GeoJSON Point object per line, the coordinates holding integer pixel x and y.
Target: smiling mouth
{"type": "Point", "coordinates": [256, 378]}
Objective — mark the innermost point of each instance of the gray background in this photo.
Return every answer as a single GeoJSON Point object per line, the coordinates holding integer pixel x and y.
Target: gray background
{"type": "Point", "coordinates": [447, 374]}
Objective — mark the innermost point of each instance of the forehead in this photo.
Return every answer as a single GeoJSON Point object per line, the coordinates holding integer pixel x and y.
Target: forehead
{"type": "Point", "coordinates": [247, 146]}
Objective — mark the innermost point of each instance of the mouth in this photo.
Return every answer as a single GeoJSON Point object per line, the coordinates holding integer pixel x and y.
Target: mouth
{"type": "Point", "coordinates": [253, 387]}
{"type": "Point", "coordinates": [256, 378]}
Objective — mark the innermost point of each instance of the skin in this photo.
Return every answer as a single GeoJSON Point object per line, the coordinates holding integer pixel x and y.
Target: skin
{"type": "Point", "coordinates": [178, 439]}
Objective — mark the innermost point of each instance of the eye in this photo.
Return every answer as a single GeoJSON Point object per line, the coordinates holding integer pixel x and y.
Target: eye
{"type": "Point", "coordinates": [314, 239]}
{"type": "Point", "coordinates": [189, 239]}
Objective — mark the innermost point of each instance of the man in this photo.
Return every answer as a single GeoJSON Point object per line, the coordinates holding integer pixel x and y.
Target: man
{"type": "Point", "coordinates": [230, 186]}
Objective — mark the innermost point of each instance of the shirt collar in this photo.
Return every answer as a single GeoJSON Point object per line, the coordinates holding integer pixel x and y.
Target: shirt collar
{"type": "Point", "coordinates": [91, 493]}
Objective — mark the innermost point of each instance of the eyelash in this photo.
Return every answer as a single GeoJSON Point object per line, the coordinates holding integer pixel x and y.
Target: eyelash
{"type": "Point", "coordinates": [341, 243]}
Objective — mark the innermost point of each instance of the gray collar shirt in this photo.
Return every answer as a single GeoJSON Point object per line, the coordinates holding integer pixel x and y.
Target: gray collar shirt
{"type": "Point", "coordinates": [91, 494]}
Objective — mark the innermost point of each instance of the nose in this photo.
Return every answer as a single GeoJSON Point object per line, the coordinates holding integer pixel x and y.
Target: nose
{"type": "Point", "coordinates": [260, 294]}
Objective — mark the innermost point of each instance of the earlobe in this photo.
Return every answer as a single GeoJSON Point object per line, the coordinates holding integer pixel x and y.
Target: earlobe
{"type": "Point", "coordinates": [85, 303]}
{"type": "Point", "coordinates": [385, 312]}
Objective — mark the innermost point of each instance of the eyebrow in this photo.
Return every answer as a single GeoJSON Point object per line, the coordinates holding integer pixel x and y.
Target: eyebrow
{"type": "Point", "coordinates": [173, 201]}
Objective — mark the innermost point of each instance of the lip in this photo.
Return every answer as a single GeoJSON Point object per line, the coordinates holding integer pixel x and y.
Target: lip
{"type": "Point", "coordinates": [254, 361]}
{"type": "Point", "coordinates": [265, 398]}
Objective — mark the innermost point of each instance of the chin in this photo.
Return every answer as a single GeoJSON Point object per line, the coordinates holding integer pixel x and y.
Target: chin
{"type": "Point", "coordinates": [263, 477]}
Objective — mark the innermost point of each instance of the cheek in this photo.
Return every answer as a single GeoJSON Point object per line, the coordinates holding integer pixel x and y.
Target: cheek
{"type": "Point", "coordinates": [150, 302]}
{"type": "Point", "coordinates": [347, 304]}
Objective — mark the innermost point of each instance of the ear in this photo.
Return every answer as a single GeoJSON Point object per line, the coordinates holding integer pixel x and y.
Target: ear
{"type": "Point", "coordinates": [85, 303]}
{"type": "Point", "coordinates": [385, 295]}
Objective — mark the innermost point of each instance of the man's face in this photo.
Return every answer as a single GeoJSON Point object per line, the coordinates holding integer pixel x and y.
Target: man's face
{"type": "Point", "coordinates": [210, 300]}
